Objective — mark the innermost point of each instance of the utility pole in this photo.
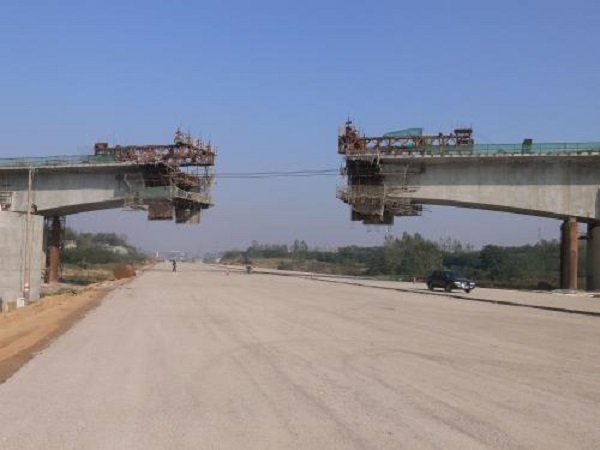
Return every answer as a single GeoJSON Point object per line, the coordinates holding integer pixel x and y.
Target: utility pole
{"type": "Point", "coordinates": [27, 253]}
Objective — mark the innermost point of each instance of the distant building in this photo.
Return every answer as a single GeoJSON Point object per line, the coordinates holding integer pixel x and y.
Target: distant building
{"type": "Point", "coordinates": [119, 249]}
{"type": "Point", "coordinates": [68, 245]}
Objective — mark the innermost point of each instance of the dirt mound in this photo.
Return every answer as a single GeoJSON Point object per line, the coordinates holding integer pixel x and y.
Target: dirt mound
{"type": "Point", "coordinates": [124, 271]}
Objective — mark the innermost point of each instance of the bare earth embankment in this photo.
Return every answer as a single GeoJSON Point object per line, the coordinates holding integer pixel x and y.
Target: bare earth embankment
{"type": "Point", "coordinates": [26, 331]}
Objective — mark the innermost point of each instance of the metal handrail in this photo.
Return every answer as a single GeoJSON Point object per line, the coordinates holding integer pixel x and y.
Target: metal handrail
{"type": "Point", "coordinates": [56, 161]}
{"type": "Point", "coordinates": [484, 149]}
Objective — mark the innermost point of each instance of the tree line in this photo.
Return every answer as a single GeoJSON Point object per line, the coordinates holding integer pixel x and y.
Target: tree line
{"type": "Point", "coordinates": [411, 256]}
{"type": "Point", "coordinates": [89, 249]}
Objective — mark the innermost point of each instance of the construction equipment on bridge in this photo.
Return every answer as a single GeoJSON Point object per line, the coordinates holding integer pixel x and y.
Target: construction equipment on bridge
{"type": "Point", "coordinates": [184, 152]}
{"type": "Point", "coordinates": [412, 142]}
{"type": "Point", "coordinates": [398, 158]}
{"type": "Point", "coordinates": [413, 139]}
{"type": "Point", "coordinates": [170, 180]}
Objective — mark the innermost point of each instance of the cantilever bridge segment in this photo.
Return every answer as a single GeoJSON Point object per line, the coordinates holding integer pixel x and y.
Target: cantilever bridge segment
{"type": "Point", "coordinates": [169, 181]}
{"type": "Point", "coordinates": [395, 174]}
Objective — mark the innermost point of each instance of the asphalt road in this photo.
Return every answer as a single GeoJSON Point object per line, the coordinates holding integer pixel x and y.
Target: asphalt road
{"type": "Point", "coordinates": [203, 360]}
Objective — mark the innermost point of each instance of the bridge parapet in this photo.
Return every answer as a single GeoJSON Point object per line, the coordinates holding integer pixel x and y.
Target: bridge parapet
{"type": "Point", "coordinates": [55, 161]}
{"type": "Point", "coordinates": [480, 150]}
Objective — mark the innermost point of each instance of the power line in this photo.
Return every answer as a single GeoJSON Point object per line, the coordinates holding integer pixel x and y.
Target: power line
{"type": "Point", "coordinates": [298, 173]}
{"type": "Point", "coordinates": [279, 174]}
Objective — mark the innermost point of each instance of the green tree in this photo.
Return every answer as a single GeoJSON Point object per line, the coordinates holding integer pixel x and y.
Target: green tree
{"type": "Point", "coordinates": [411, 256]}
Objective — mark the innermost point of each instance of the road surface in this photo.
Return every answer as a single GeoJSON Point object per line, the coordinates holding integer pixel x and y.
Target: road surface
{"type": "Point", "coordinates": [203, 360]}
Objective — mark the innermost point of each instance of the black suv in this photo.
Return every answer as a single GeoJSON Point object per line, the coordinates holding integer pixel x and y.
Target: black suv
{"type": "Point", "coordinates": [448, 280]}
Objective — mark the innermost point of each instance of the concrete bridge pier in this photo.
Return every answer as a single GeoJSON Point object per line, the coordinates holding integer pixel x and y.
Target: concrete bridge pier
{"type": "Point", "coordinates": [20, 255]}
{"type": "Point", "coordinates": [593, 257]}
{"type": "Point", "coordinates": [569, 246]}
{"type": "Point", "coordinates": [55, 233]}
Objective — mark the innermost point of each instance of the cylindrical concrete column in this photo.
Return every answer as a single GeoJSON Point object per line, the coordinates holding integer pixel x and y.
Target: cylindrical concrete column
{"type": "Point", "coordinates": [569, 253]}
{"type": "Point", "coordinates": [573, 253]}
{"type": "Point", "coordinates": [55, 233]}
{"type": "Point", "coordinates": [563, 255]}
{"type": "Point", "coordinates": [593, 257]}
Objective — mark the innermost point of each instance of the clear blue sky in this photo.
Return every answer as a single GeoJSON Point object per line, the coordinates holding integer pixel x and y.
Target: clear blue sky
{"type": "Point", "coordinates": [270, 81]}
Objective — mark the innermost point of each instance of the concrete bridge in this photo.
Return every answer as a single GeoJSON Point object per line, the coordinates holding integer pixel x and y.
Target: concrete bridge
{"type": "Point", "coordinates": [36, 193]}
{"type": "Point", "coordinates": [390, 177]}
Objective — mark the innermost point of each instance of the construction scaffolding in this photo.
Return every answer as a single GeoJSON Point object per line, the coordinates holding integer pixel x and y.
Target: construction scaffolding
{"type": "Point", "coordinates": [365, 191]}
{"type": "Point", "coordinates": [171, 181]}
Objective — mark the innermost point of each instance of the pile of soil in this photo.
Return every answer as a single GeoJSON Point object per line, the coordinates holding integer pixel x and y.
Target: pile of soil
{"type": "Point", "coordinates": [124, 271]}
